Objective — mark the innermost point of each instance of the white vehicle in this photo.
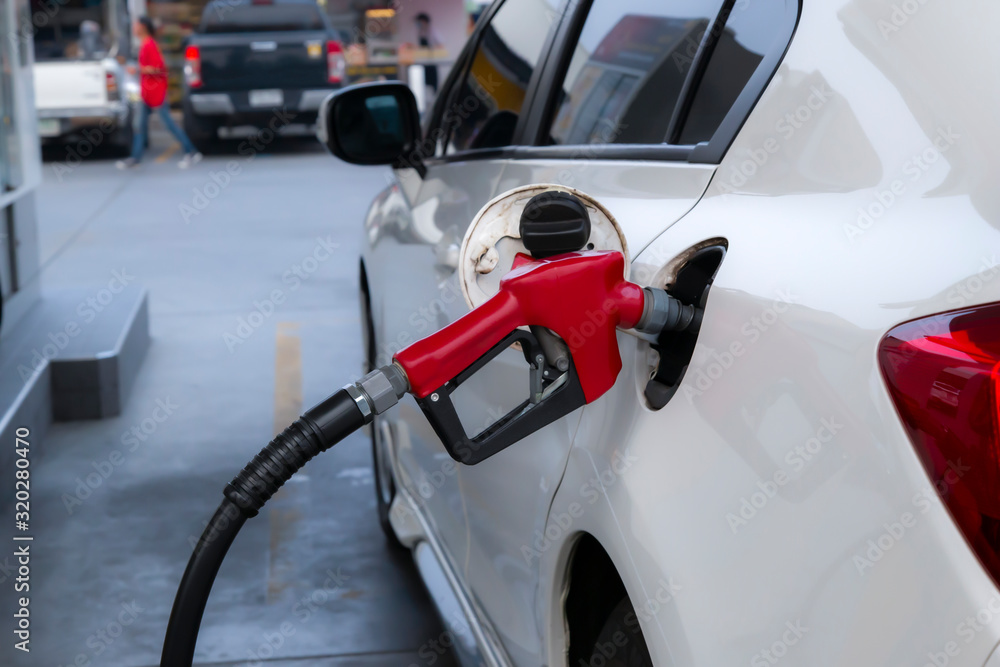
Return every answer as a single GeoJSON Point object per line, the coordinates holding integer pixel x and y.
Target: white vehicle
{"type": "Point", "coordinates": [811, 479]}
{"type": "Point", "coordinates": [82, 86]}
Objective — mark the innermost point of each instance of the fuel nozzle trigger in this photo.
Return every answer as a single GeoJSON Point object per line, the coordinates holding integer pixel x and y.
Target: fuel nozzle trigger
{"type": "Point", "coordinates": [553, 395]}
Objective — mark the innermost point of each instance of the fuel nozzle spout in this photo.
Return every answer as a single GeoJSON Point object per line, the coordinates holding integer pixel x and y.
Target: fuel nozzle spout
{"type": "Point", "coordinates": [662, 312]}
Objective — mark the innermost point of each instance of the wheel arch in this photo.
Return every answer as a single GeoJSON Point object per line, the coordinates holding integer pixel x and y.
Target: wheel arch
{"type": "Point", "coordinates": [367, 318]}
{"type": "Point", "coordinates": [593, 587]}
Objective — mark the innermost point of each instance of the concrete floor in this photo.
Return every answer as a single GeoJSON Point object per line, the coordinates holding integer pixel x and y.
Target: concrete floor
{"type": "Point", "coordinates": [312, 576]}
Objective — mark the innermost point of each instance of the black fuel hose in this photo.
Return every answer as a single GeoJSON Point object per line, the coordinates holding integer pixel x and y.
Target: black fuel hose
{"type": "Point", "coordinates": [319, 429]}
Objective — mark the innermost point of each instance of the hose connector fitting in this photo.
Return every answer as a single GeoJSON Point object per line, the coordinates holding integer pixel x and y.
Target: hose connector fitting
{"type": "Point", "coordinates": [378, 391]}
{"type": "Point", "coordinates": [662, 312]}
{"type": "Point", "coordinates": [320, 428]}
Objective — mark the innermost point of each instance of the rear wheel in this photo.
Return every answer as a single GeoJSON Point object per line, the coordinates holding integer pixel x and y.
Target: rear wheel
{"type": "Point", "coordinates": [121, 140]}
{"type": "Point", "coordinates": [385, 485]}
{"type": "Point", "coordinates": [620, 642]}
{"type": "Point", "coordinates": [203, 132]}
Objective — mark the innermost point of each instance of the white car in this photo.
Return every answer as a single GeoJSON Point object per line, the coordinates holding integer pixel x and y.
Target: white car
{"type": "Point", "coordinates": [83, 90]}
{"type": "Point", "coordinates": [813, 478]}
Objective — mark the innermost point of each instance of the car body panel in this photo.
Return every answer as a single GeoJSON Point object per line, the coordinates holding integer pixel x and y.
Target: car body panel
{"type": "Point", "coordinates": [859, 194]}
{"type": "Point", "coordinates": [413, 230]}
{"type": "Point", "coordinates": [71, 96]}
{"type": "Point", "coordinates": [806, 293]}
{"type": "Point", "coordinates": [504, 535]}
{"type": "Point", "coordinates": [70, 84]}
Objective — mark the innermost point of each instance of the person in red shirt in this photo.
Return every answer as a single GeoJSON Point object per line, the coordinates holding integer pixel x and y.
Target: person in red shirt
{"type": "Point", "coordinates": [153, 85]}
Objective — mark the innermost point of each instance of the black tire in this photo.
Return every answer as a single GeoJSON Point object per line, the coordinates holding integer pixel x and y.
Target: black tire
{"type": "Point", "coordinates": [385, 485]}
{"type": "Point", "coordinates": [203, 132]}
{"type": "Point", "coordinates": [121, 140]}
{"type": "Point", "coordinates": [620, 642]}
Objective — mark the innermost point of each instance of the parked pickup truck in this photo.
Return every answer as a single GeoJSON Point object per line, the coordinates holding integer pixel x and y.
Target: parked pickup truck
{"type": "Point", "coordinates": [82, 84]}
{"type": "Point", "coordinates": [264, 63]}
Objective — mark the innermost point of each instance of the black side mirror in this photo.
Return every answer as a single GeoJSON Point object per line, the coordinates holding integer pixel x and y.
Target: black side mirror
{"type": "Point", "coordinates": [372, 123]}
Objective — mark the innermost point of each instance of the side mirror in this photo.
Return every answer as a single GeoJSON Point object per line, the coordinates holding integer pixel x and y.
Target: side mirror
{"type": "Point", "coordinates": [372, 123]}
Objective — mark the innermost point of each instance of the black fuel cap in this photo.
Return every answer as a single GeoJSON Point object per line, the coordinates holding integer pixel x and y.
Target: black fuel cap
{"type": "Point", "coordinates": [554, 222]}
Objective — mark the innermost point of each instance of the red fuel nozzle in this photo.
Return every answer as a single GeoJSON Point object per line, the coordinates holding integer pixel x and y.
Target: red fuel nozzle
{"type": "Point", "coordinates": [582, 297]}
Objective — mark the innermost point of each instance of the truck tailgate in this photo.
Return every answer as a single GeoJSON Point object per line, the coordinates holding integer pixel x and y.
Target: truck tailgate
{"type": "Point", "coordinates": [245, 61]}
{"type": "Point", "coordinates": [70, 85]}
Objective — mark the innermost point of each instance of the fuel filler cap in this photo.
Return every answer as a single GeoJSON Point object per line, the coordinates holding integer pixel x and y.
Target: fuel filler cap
{"type": "Point", "coordinates": [553, 223]}
{"type": "Point", "coordinates": [541, 220]}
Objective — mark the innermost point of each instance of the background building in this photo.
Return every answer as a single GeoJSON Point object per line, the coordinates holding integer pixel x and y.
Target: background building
{"type": "Point", "coordinates": [20, 164]}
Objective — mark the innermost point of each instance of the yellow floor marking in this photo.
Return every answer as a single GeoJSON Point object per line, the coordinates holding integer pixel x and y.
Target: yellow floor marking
{"type": "Point", "coordinates": [165, 155]}
{"type": "Point", "coordinates": [287, 376]}
{"type": "Point", "coordinates": [284, 515]}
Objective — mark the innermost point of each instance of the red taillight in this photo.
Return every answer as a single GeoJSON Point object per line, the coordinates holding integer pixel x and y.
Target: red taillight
{"type": "Point", "coordinates": [336, 63]}
{"type": "Point", "coordinates": [111, 85]}
{"type": "Point", "coordinates": [192, 66]}
{"type": "Point", "coordinates": [943, 374]}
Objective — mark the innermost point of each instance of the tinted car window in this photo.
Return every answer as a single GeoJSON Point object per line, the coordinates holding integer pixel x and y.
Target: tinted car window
{"type": "Point", "coordinates": [223, 17]}
{"type": "Point", "coordinates": [749, 33]}
{"type": "Point", "coordinates": [489, 99]}
{"type": "Point", "coordinates": [627, 70]}
{"type": "Point", "coordinates": [72, 29]}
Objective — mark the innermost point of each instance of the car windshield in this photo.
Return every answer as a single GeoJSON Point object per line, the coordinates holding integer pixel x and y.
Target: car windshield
{"type": "Point", "coordinates": [225, 17]}
{"type": "Point", "coordinates": [69, 29]}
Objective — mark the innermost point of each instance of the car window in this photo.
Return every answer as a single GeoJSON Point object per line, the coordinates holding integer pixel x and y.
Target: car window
{"type": "Point", "coordinates": [75, 29]}
{"type": "Point", "coordinates": [627, 70]}
{"type": "Point", "coordinates": [228, 17]}
{"type": "Point", "coordinates": [749, 33]}
{"type": "Point", "coordinates": [487, 104]}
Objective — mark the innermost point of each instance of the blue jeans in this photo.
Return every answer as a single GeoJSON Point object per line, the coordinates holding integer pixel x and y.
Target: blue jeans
{"type": "Point", "coordinates": [139, 140]}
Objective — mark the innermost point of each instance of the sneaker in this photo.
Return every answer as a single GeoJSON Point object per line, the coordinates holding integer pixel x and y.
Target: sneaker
{"type": "Point", "coordinates": [190, 159]}
{"type": "Point", "coordinates": [127, 163]}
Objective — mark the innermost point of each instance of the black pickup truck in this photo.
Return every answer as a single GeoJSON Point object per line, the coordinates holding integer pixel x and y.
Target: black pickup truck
{"type": "Point", "coordinates": [265, 63]}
